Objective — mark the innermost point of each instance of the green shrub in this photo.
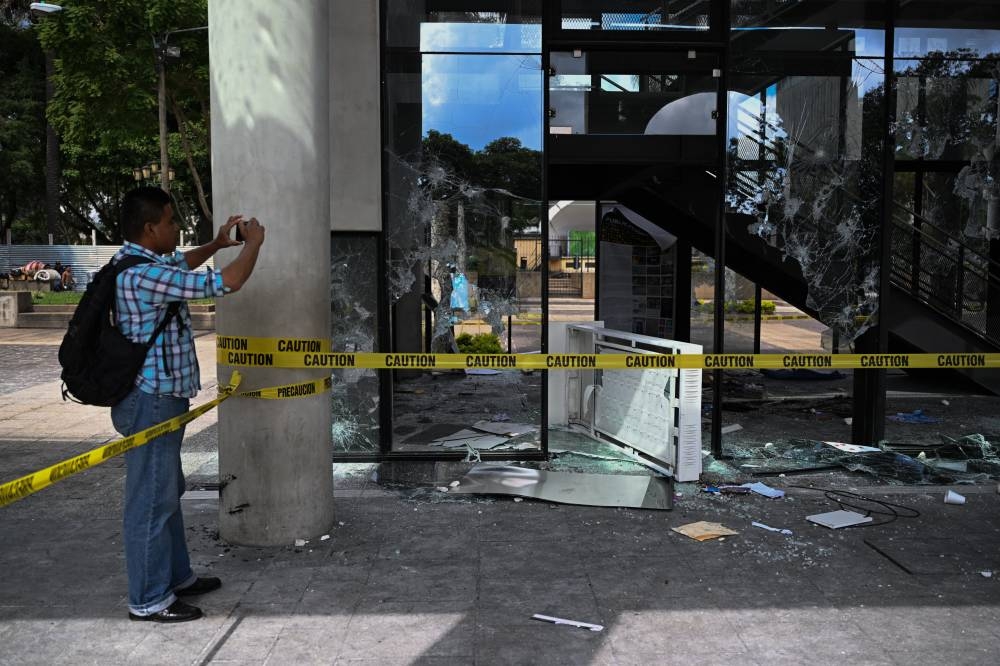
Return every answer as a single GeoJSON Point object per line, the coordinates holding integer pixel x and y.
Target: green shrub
{"type": "Point", "coordinates": [481, 343]}
{"type": "Point", "coordinates": [746, 306]}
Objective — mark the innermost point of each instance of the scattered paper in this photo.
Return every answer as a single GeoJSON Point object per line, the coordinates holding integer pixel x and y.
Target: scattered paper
{"type": "Point", "coordinates": [325, 536]}
{"type": "Point", "coordinates": [771, 529]}
{"type": "Point", "coordinates": [986, 574]}
{"type": "Point", "coordinates": [301, 542]}
{"type": "Point", "coordinates": [572, 623]}
{"type": "Point", "coordinates": [765, 490]}
{"type": "Point", "coordinates": [703, 530]}
{"type": "Point", "coordinates": [853, 448]}
{"type": "Point", "coordinates": [734, 427]}
{"type": "Point", "coordinates": [837, 519]}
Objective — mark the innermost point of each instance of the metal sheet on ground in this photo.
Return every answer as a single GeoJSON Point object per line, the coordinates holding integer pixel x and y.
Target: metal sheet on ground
{"type": "Point", "coordinates": [618, 490]}
{"type": "Point", "coordinates": [507, 429]}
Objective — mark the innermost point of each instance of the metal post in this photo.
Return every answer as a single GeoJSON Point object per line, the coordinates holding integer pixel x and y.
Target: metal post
{"type": "Point", "coordinates": [869, 385]}
{"type": "Point", "coordinates": [719, 326]}
{"type": "Point", "coordinates": [162, 100]}
{"type": "Point", "coordinates": [756, 318]}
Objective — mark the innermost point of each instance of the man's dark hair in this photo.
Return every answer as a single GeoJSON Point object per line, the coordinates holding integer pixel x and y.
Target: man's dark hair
{"type": "Point", "coordinates": [142, 205]}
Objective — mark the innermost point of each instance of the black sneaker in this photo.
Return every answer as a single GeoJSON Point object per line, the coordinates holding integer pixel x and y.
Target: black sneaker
{"type": "Point", "coordinates": [199, 586]}
{"type": "Point", "coordinates": [175, 612]}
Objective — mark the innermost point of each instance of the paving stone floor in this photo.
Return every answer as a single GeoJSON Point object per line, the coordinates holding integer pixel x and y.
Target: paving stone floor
{"type": "Point", "coordinates": [413, 576]}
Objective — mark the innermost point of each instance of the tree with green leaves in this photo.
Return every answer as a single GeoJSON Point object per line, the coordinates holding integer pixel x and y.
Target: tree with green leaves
{"type": "Point", "coordinates": [105, 105]}
{"type": "Point", "coordinates": [22, 130]}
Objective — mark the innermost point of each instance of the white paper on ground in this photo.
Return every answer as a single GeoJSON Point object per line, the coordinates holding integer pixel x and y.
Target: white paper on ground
{"type": "Point", "coordinates": [853, 448]}
{"type": "Point", "coordinates": [837, 519]}
{"type": "Point", "coordinates": [572, 623]}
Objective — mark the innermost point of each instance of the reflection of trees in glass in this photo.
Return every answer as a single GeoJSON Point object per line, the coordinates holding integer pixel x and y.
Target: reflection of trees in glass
{"type": "Point", "coordinates": [463, 208]}
{"type": "Point", "coordinates": [947, 109]}
{"type": "Point", "coordinates": [811, 180]}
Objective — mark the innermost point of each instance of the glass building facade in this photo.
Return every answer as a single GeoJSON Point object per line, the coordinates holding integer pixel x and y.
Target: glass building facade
{"type": "Point", "coordinates": [838, 155]}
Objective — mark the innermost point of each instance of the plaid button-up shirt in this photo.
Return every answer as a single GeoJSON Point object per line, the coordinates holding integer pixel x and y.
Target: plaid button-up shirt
{"type": "Point", "coordinates": [142, 295]}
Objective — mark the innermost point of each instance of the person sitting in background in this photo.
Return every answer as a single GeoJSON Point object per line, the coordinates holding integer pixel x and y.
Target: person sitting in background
{"type": "Point", "coordinates": [67, 279]}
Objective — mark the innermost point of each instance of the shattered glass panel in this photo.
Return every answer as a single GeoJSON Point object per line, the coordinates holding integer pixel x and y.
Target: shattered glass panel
{"type": "Point", "coordinates": [354, 327]}
{"type": "Point", "coordinates": [464, 184]}
{"type": "Point", "coordinates": [946, 108]}
{"type": "Point", "coordinates": [805, 176]}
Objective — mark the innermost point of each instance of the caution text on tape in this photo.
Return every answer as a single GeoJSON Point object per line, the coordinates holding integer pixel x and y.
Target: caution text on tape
{"type": "Point", "coordinates": [333, 360]}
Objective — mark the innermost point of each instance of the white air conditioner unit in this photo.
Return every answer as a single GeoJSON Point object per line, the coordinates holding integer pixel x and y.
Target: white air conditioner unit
{"type": "Point", "coordinates": [655, 414]}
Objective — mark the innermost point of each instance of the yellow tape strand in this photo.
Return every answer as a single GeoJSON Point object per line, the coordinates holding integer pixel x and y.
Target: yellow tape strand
{"type": "Point", "coordinates": [266, 355]}
{"type": "Point", "coordinates": [20, 488]}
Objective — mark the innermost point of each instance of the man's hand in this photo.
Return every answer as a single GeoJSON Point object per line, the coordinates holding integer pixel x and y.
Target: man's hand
{"type": "Point", "coordinates": [252, 231]}
{"type": "Point", "coordinates": [223, 239]}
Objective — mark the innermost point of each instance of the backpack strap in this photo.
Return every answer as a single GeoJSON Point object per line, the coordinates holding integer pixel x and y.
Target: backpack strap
{"type": "Point", "coordinates": [173, 309]}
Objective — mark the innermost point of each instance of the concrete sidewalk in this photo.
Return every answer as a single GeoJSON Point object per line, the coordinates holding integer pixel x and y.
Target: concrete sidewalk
{"type": "Point", "coordinates": [415, 576]}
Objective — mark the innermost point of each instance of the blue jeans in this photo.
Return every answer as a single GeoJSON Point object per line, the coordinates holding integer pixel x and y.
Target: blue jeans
{"type": "Point", "coordinates": [156, 554]}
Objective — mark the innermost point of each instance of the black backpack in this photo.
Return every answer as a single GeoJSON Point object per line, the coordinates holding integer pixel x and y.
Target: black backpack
{"type": "Point", "coordinates": [99, 363]}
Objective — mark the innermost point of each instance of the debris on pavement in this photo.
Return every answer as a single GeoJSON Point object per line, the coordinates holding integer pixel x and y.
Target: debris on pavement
{"type": "Point", "coordinates": [572, 623]}
{"type": "Point", "coordinates": [772, 529]}
{"type": "Point", "coordinates": [853, 448]}
{"type": "Point", "coordinates": [951, 497]}
{"type": "Point", "coordinates": [765, 490]}
{"type": "Point", "coordinates": [704, 530]}
{"type": "Point", "coordinates": [615, 490]}
{"type": "Point", "coordinates": [916, 416]}
{"type": "Point", "coordinates": [838, 519]}
{"type": "Point", "coordinates": [731, 428]}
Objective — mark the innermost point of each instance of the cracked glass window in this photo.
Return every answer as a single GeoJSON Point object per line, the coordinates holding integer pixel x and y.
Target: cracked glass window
{"type": "Point", "coordinates": [464, 123]}
{"type": "Point", "coordinates": [805, 181]}
{"type": "Point", "coordinates": [354, 328]}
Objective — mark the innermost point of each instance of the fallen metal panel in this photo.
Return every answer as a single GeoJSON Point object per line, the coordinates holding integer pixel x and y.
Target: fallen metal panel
{"type": "Point", "coordinates": [617, 490]}
{"type": "Point", "coordinates": [481, 443]}
{"type": "Point", "coordinates": [507, 429]}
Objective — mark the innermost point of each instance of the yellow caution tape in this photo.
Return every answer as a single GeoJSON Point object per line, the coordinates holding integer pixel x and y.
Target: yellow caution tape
{"type": "Point", "coordinates": [268, 345]}
{"type": "Point", "coordinates": [17, 489]}
{"type": "Point", "coordinates": [258, 357]}
{"type": "Point", "coordinates": [300, 390]}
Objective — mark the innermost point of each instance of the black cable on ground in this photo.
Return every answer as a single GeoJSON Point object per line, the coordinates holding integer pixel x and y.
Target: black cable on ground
{"type": "Point", "coordinates": [893, 511]}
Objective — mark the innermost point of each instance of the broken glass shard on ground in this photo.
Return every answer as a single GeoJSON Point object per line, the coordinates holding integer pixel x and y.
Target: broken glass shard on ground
{"type": "Point", "coordinates": [790, 456]}
{"type": "Point", "coordinates": [614, 490]}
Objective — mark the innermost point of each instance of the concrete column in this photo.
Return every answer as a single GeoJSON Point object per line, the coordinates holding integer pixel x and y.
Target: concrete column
{"type": "Point", "coordinates": [270, 159]}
